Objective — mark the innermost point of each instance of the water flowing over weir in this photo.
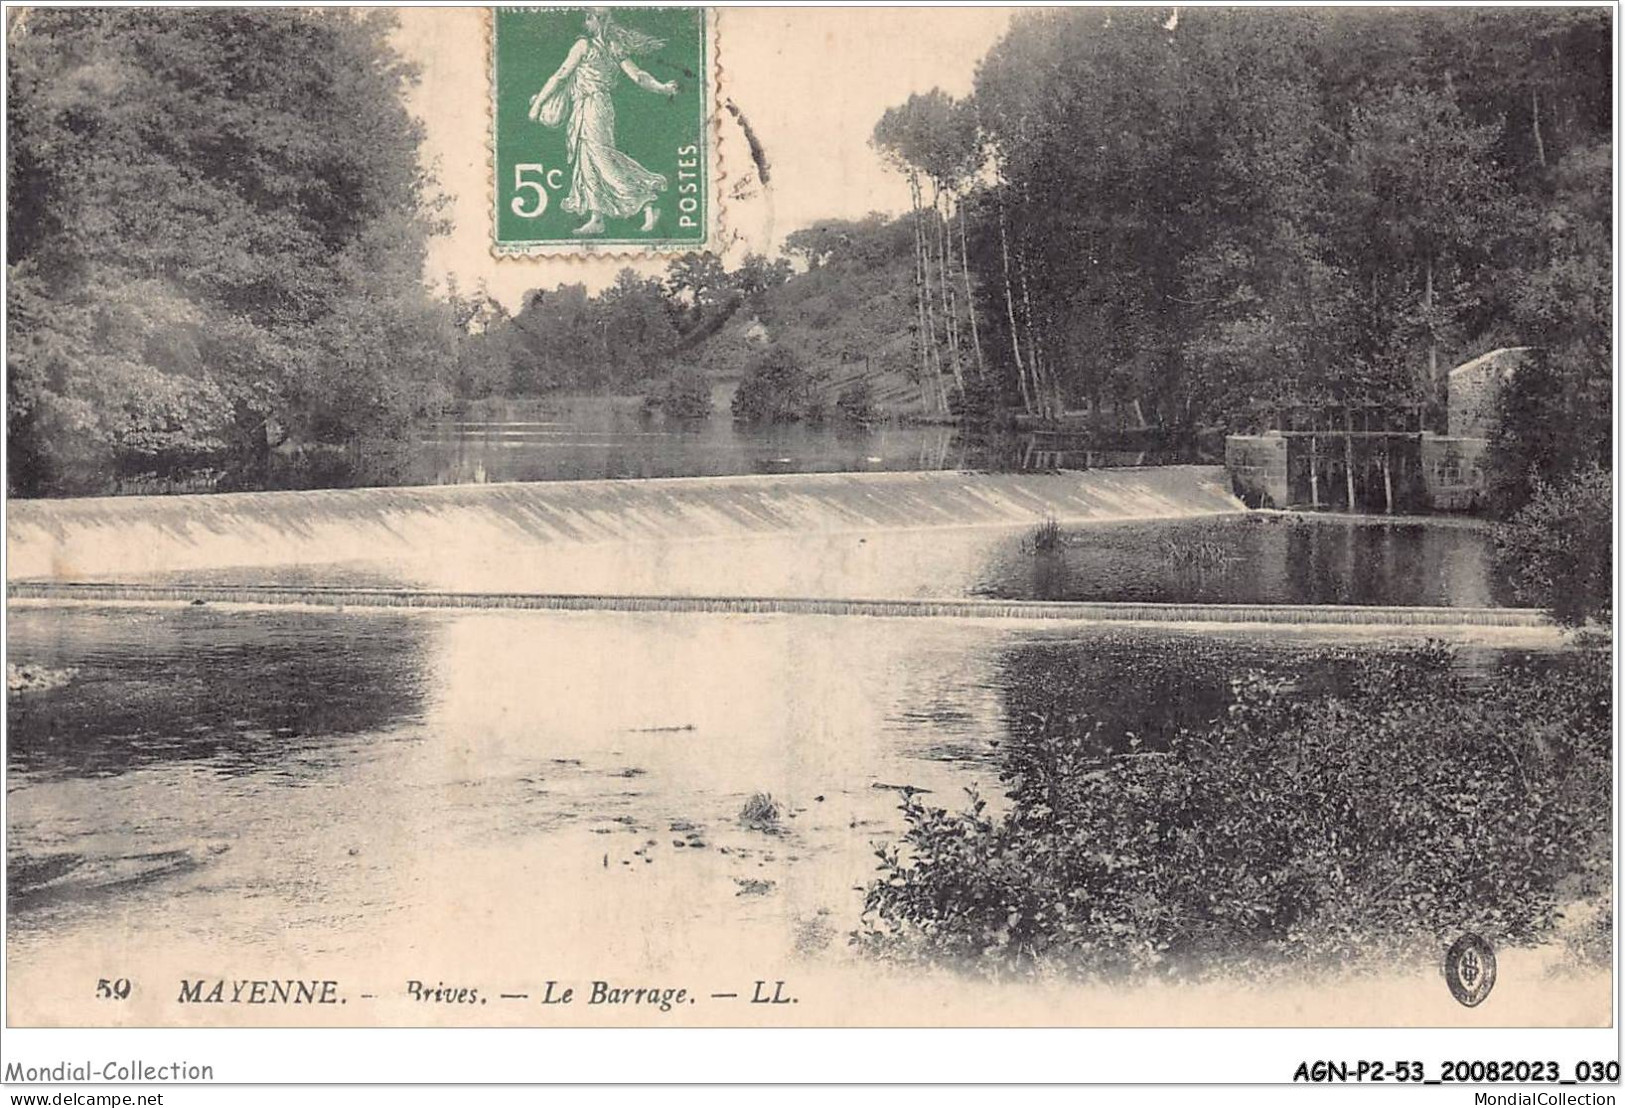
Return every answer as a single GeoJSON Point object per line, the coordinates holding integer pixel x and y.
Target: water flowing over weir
{"type": "Point", "coordinates": [121, 537]}
{"type": "Point", "coordinates": [888, 545]}
{"type": "Point", "coordinates": [1086, 611]}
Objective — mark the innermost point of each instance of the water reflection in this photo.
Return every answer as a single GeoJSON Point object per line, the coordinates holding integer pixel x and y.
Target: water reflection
{"type": "Point", "coordinates": [241, 691]}
{"type": "Point", "coordinates": [1259, 559]}
{"type": "Point", "coordinates": [475, 453]}
{"type": "Point", "coordinates": [302, 784]}
{"type": "Point", "coordinates": [599, 437]}
{"type": "Point", "coordinates": [1240, 559]}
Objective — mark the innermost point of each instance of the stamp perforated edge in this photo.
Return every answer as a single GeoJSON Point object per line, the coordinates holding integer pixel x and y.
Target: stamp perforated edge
{"type": "Point", "coordinates": [716, 206]}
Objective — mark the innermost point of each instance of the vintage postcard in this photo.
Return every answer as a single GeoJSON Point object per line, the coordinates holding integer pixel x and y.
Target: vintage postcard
{"type": "Point", "coordinates": [761, 517]}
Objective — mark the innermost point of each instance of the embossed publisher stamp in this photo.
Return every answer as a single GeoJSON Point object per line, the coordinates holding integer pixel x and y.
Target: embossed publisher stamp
{"type": "Point", "coordinates": [1469, 969]}
{"type": "Point", "coordinates": [601, 135]}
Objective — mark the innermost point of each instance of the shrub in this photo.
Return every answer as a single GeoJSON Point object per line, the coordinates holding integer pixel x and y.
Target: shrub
{"type": "Point", "coordinates": [1194, 553]}
{"type": "Point", "coordinates": [979, 403]}
{"type": "Point", "coordinates": [1376, 822]}
{"type": "Point", "coordinates": [856, 403]}
{"type": "Point", "coordinates": [761, 813]}
{"type": "Point", "coordinates": [684, 395]}
{"type": "Point", "coordinates": [1046, 538]}
{"type": "Point", "coordinates": [775, 389]}
{"type": "Point", "coordinates": [1558, 549]}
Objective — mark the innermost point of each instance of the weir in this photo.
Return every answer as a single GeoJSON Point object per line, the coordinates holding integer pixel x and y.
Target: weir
{"type": "Point", "coordinates": [1045, 610]}
{"type": "Point", "coordinates": [882, 544]}
{"type": "Point", "coordinates": [109, 538]}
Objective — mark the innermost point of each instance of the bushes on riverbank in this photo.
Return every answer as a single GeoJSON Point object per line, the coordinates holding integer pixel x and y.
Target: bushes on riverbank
{"type": "Point", "coordinates": [776, 389]}
{"type": "Point", "coordinates": [1375, 822]}
{"type": "Point", "coordinates": [1558, 550]}
{"type": "Point", "coordinates": [686, 394]}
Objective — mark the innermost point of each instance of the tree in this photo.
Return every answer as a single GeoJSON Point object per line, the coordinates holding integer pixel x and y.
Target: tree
{"type": "Point", "coordinates": [1227, 209]}
{"type": "Point", "coordinates": [1559, 548]}
{"type": "Point", "coordinates": [636, 332]}
{"type": "Point", "coordinates": [700, 287]}
{"type": "Point", "coordinates": [1102, 181]}
{"type": "Point", "coordinates": [482, 338]}
{"type": "Point", "coordinates": [1555, 416]}
{"type": "Point", "coordinates": [1424, 197]}
{"type": "Point", "coordinates": [553, 342]}
{"type": "Point", "coordinates": [932, 138]}
{"type": "Point", "coordinates": [216, 206]}
{"type": "Point", "coordinates": [776, 388]}
{"type": "Point", "coordinates": [757, 277]}
{"type": "Point", "coordinates": [1547, 426]}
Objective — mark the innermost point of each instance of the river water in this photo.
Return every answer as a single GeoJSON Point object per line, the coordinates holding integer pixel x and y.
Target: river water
{"type": "Point", "coordinates": [1243, 559]}
{"type": "Point", "coordinates": [498, 797]}
{"type": "Point", "coordinates": [494, 799]}
{"type": "Point", "coordinates": [586, 438]}
{"type": "Point", "coordinates": [1298, 560]}
{"type": "Point", "coordinates": [1258, 559]}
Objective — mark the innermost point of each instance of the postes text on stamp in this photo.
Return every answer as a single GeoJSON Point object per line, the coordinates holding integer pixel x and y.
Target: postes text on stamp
{"type": "Point", "coordinates": [601, 135]}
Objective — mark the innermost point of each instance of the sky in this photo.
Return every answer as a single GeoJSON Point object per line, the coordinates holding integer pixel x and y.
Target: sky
{"type": "Point", "coordinates": [812, 82]}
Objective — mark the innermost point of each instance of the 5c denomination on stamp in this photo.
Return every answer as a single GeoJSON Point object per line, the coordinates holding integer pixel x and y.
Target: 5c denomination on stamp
{"type": "Point", "coordinates": [601, 130]}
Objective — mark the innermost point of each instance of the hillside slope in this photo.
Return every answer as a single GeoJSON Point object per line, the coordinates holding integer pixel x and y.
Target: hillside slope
{"type": "Point", "coordinates": [850, 315]}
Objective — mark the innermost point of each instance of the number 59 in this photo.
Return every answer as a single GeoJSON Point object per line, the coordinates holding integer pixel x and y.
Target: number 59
{"type": "Point", "coordinates": [113, 990]}
{"type": "Point", "coordinates": [552, 177]}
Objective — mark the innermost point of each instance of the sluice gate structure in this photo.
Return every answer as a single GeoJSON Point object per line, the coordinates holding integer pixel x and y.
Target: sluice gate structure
{"type": "Point", "coordinates": [1351, 455]}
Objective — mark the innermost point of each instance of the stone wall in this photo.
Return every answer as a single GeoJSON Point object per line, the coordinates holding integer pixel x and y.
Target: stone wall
{"type": "Point", "coordinates": [1257, 468]}
{"type": "Point", "coordinates": [1453, 471]}
{"type": "Point", "coordinates": [1475, 387]}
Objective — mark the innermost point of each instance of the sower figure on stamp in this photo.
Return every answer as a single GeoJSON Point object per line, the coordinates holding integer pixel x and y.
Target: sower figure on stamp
{"type": "Point", "coordinates": [605, 182]}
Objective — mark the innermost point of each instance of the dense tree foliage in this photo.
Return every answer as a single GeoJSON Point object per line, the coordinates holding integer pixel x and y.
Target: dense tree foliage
{"type": "Point", "coordinates": [1223, 207]}
{"type": "Point", "coordinates": [1558, 549]}
{"type": "Point", "coordinates": [776, 389]}
{"type": "Point", "coordinates": [846, 315]}
{"type": "Point", "coordinates": [218, 230]}
{"type": "Point", "coordinates": [218, 227]}
{"type": "Point", "coordinates": [685, 395]}
{"type": "Point", "coordinates": [630, 336]}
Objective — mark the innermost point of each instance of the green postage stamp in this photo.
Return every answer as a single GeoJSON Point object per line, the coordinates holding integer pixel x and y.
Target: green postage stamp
{"type": "Point", "coordinates": [601, 130]}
